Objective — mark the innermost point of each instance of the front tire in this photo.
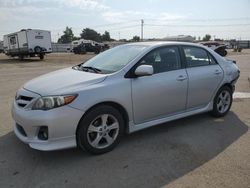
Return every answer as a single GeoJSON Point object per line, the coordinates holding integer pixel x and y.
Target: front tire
{"type": "Point", "coordinates": [41, 56]}
{"type": "Point", "coordinates": [222, 102]}
{"type": "Point", "coordinates": [100, 130]}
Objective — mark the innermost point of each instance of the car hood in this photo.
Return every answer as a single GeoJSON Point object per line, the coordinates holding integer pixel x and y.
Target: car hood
{"type": "Point", "coordinates": [64, 81]}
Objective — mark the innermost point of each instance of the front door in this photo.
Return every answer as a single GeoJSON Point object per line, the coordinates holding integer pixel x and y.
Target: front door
{"type": "Point", "coordinates": [164, 92]}
{"type": "Point", "coordinates": [13, 43]}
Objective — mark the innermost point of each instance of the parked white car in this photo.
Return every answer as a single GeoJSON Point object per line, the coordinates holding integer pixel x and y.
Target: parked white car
{"type": "Point", "coordinates": [124, 89]}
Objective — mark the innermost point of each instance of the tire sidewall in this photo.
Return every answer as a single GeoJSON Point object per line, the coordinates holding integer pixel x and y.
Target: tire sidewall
{"type": "Point", "coordinates": [81, 134]}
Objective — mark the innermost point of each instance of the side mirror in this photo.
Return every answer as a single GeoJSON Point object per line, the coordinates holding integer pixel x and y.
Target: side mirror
{"type": "Point", "coordinates": [144, 70]}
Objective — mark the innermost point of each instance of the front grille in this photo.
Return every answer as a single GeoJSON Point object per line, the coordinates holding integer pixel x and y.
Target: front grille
{"type": "Point", "coordinates": [21, 130]}
{"type": "Point", "coordinates": [21, 105]}
{"type": "Point", "coordinates": [23, 100]}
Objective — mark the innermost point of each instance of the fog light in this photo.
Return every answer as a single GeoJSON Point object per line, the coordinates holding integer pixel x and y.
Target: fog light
{"type": "Point", "coordinates": [43, 133]}
{"type": "Point", "coordinates": [21, 130]}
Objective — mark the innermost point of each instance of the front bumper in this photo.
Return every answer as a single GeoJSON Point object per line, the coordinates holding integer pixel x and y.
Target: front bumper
{"type": "Point", "coordinates": [61, 122]}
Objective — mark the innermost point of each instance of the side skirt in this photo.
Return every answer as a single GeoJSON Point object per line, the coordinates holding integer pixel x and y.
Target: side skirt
{"type": "Point", "coordinates": [136, 127]}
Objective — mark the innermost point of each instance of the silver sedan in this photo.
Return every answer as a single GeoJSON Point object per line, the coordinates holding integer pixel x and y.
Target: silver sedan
{"type": "Point", "coordinates": [122, 90]}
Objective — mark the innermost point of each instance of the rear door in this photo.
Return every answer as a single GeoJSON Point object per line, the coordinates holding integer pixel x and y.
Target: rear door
{"type": "Point", "coordinates": [13, 43]}
{"type": "Point", "coordinates": [204, 75]}
{"type": "Point", "coordinates": [39, 38]}
{"type": "Point", "coordinates": [164, 92]}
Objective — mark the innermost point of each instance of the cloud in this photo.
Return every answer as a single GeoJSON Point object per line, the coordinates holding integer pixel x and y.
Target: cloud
{"type": "Point", "coordinates": [108, 14]}
{"type": "Point", "coordinates": [16, 14]}
{"type": "Point", "coordinates": [81, 4]}
{"type": "Point", "coordinates": [17, 3]}
{"type": "Point", "coordinates": [22, 13]}
{"type": "Point", "coordinates": [86, 4]}
{"type": "Point", "coordinates": [114, 16]}
{"type": "Point", "coordinates": [21, 10]}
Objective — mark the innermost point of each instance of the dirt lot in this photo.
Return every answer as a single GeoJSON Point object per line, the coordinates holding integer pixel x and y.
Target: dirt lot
{"type": "Point", "coordinates": [198, 151]}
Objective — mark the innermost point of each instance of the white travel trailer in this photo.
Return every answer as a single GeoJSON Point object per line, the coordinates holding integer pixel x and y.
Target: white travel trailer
{"type": "Point", "coordinates": [28, 43]}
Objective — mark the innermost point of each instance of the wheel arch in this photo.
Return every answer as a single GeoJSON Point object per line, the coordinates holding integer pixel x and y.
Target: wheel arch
{"type": "Point", "coordinates": [214, 112]}
{"type": "Point", "coordinates": [229, 85]}
{"type": "Point", "coordinates": [115, 105]}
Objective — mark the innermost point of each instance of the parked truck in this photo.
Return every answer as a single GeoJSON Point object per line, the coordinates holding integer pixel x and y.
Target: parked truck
{"type": "Point", "coordinates": [28, 43]}
{"type": "Point", "coordinates": [83, 46]}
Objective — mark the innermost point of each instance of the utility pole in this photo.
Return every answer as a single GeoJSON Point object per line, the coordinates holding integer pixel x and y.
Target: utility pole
{"type": "Point", "coordinates": [57, 42]}
{"type": "Point", "coordinates": [142, 22]}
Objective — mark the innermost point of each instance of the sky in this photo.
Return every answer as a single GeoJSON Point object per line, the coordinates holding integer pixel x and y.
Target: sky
{"type": "Point", "coordinates": [226, 19]}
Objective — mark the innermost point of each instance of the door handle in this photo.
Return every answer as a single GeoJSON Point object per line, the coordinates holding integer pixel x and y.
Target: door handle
{"type": "Point", "coordinates": [217, 71]}
{"type": "Point", "coordinates": [181, 78]}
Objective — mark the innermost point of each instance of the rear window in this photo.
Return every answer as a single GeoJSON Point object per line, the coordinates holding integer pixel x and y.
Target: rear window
{"type": "Point", "coordinates": [12, 40]}
{"type": "Point", "coordinates": [38, 37]}
{"type": "Point", "coordinates": [196, 57]}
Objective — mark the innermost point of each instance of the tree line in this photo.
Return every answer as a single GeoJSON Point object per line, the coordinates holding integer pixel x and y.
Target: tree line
{"type": "Point", "coordinates": [90, 34]}
{"type": "Point", "coordinates": [87, 33]}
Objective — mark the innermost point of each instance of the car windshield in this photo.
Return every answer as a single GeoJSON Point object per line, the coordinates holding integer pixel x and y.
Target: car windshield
{"type": "Point", "coordinates": [114, 59]}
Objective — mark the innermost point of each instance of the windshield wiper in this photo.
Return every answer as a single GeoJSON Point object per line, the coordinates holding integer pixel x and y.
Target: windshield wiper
{"type": "Point", "coordinates": [75, 67]}
{"type": "Point", "coordinates": [86, 68]}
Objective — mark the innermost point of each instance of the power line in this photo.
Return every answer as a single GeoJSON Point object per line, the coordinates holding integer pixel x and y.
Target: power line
{"type": "Point", "coordinates": [201, 20]}
{"type": "Point", "coordinates": [93, 26]}
{"type": "Point", "coordinates": [125, 27]}
{"type": "Point", "coordinates": [113, 24]}
{"type": "Point", "coordinates": [198, 25]}
{"type": "Point", "coordinates": [159, 23]}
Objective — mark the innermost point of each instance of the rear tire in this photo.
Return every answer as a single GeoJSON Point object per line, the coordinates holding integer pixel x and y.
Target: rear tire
{"type": "Point", "coordinates": [222, 102]}
{"type": "Point", "coordinates": [100, 130]}
{"type": "Point", "coordinates": [97, 51]}
{"type": "Point", "coordinates": [41, 56]}
{"type": "Point", "coordinates": [225, 53]}
{"type": "Point", "coordinates": [38, 49]}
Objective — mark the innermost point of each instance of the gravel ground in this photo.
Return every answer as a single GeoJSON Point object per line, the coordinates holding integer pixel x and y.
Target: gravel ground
{"type": "Point", "coordinates": [198, 151]}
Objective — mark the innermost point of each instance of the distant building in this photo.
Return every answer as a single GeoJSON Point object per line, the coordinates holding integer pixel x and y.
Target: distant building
{"type": "Point", "coordinates": [57, 47]}
{"type": "Point", "coordinates": [183, 38]}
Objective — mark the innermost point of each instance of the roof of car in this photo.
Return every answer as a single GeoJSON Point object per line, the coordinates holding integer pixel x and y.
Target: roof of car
{"type": "Point", "coordinates": [155, 44]}
{"type": "Point", "coordinates": [161, 43]}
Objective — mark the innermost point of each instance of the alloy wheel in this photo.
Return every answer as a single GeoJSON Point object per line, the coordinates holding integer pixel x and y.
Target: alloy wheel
{"type": "Point", "coordinates": [223, 101]}
{"type": "Point", "coordinates": [103, 131]}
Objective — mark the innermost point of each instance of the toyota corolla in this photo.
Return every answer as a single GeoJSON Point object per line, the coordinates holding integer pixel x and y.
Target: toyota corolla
{"type": "Point", "coordinates": [122, 90]}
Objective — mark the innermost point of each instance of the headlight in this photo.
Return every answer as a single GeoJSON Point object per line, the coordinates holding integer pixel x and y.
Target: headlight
{"type": "Point", "coordinates": [50, 102]}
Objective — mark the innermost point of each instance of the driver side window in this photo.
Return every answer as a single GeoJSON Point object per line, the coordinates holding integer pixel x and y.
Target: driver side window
{"type": "Point", "coordinates": [163, 59]}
